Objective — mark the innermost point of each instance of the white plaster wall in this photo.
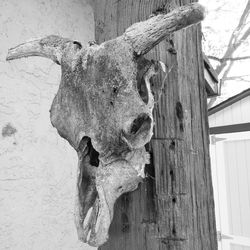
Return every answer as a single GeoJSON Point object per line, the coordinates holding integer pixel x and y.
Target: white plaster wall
{"type": "Point", "coordinates": [37, 166]}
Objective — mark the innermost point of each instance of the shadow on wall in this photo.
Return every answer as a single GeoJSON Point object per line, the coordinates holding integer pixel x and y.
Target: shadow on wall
{"type": "Point", "coordinates": [37, 167]}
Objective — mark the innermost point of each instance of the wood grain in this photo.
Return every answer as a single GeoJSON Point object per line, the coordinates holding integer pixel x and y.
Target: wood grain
{"type": "Point", "coordinates": [145, 35]}
{"type": "Point", "coordinates": [173, 208]}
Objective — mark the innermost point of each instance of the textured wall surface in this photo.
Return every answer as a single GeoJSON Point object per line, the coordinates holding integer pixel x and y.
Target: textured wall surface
{"type": "Point", "coordinates": [37, 167]}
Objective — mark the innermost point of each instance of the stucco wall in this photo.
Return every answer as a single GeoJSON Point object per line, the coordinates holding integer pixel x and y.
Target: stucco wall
{"type": "Point", "coordinates": [37, 167]}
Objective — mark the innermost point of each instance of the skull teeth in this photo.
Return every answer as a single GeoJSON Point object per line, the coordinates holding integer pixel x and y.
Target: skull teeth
{"type": "Point", "coordinates": [88, 236]}
{"type": "Point", "coordinates": [97, 224]}
{"type": "Point", "coordinates": [87, 218]}
{"type": "Point", "coordinates": [110, 181]}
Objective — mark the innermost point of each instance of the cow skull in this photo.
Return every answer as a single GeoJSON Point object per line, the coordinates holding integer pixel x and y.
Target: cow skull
{"type": "Point", "coordinates": [103, 108]}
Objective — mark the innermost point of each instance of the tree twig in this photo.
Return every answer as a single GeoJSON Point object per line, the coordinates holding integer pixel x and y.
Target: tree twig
{"type": "Point", "coordinates": [228, 58]}
{"type": "Point", "coordinates": [237, 78]}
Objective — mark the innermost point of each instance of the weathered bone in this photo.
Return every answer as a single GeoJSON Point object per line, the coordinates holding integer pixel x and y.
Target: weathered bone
{"type": "Point", "coordinates": [145, 35]}
{"type": "Point", "coordinates": [112, 181]}
{"type": "Point", "coordinates": [51, 47]}
{"type": "Point", "coordinates": [103, 108]}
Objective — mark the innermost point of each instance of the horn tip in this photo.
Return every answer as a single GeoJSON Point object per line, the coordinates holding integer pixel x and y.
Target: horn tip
{"type": "Point", "coordinates": [200, 9]}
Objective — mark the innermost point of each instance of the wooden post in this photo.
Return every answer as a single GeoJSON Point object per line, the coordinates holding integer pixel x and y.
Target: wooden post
{"type": "Point", "coordinates": [173, 208]}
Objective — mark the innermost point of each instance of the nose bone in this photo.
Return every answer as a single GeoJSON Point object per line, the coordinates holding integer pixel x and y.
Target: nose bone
{"type": "Point", "coordinates": [140, 132]}
{"type": "Point", "coordinates": [141, 123]}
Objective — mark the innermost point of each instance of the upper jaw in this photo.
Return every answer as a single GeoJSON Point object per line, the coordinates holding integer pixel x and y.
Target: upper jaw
{"type": "Point", "coordinates": [110, 181]}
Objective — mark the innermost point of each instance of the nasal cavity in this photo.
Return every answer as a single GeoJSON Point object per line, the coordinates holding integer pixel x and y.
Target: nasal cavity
{"type": "Point", "coordinates": [142, 122]}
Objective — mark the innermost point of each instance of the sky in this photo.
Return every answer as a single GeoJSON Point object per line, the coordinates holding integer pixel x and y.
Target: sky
{"type": "Point", "coordinates": [221, 21]}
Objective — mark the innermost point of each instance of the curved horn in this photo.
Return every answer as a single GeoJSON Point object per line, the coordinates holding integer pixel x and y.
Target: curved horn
{"type": "Point", "coordinates": [50, 47]}
{"type": "Point", "coordinates": [145, 35]}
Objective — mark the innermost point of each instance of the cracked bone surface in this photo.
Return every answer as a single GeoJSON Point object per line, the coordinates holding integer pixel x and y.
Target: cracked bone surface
{"type": "Point", "coordinates": [103, 108]}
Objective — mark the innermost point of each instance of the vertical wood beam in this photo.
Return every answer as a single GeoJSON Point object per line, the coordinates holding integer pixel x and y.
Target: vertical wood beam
{"type": "Point", "coordinates": [173, 208]}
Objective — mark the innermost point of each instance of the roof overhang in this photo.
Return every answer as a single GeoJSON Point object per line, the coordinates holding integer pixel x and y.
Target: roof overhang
{"type": "Point", "coordinates": [229, 101]}
{"type": "Point", "coordinates": [211, 79]}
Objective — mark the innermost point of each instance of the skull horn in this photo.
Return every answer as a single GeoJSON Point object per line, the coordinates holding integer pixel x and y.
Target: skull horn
{"type": "Point", "coordinates": [51, 47]}
{"type": "Point", "coordinates": [143, 36]}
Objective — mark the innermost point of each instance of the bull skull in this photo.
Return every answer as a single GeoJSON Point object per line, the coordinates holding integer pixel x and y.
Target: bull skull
{"type": "Point", "coordinates": [103, 108]}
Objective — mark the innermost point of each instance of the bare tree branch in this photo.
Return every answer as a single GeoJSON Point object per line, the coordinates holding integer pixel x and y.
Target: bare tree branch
{"type": "Point", "coordinates": [237, 78]}
{"type": "Point", "coordinates": [236, 37]}
{"type": "Point", "coordinates": [228, 58]}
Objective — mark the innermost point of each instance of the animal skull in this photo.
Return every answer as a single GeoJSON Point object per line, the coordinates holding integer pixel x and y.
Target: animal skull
{"type": "Point", "coordinates": [103, 108]}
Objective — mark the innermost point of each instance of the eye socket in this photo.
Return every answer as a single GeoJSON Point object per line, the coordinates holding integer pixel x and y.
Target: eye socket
{"type": "Point", "coordinates": [143, 90]}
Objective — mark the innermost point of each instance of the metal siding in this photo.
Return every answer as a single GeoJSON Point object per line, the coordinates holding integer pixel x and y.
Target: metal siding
{"type": "Point", "coordinates": [247, 159]}
{"type": "Point", "coordinates": [238, 112]}
{"type": "Point", "coordinates": [220, 118]}
{"type": "Point", "coordinates": [245, 109]}
{"type": "Point", "coordinates": [215, 178]}
{"type": "Point", "coordinates": [237, 161]}
{"type": "Point", "coordinates": [242, 154]}
{"type": "Point", "coordinates": [212, 120]}
{"type": "Point", "coordinates": [232, 189]}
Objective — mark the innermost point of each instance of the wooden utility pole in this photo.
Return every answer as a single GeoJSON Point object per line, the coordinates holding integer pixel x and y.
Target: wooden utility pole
{"type": "Point", "coordinates": [173, 208]}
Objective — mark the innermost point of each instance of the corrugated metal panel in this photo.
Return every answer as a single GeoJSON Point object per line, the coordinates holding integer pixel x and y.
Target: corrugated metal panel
{"type": "Point", "coordinates": [237, 160]}
{"type": "Point", "coordinates": [238, 112]}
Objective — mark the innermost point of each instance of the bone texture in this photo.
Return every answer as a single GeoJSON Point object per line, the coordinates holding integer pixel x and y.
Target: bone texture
{"type": "Point", "coordinates": [145, 35]}
{"type": "Point", "coordinates": [50, 47]}
{"type": "Point", "coordinates": [103, 108]}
